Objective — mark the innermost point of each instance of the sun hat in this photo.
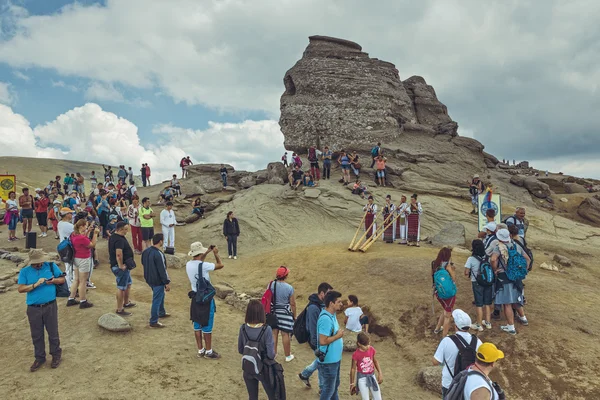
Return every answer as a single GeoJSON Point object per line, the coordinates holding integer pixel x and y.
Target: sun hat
{"type": "Point", "coordinates": [491, 226]}
{"type": "Point", "coordinates": [461, 319]}
{"type": "Point", "coordinates": [37, 256]}
{"type": "Point", "coordinates": [489, 353]}
{"type": "Point", "coordinates": [282, 272]}
{"type": "Point", "coordinates": [38, 189]}
{"type": "Point", "coordinates": [73, 192]}
{"type": "Point", "coordinates": [66, 210]}
{"type": "Point", "coordinates": [503, 235]}
{"type": "Point", "coordinates": [56, 201]}
{"type": "Point", "coordinates": [475, 176]}
{"type": "Point", "coordinates": [196, 249]}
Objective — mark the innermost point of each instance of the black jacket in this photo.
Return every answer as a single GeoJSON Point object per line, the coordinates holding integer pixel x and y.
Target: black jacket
{"type": "Point", "coordinates": [231, 227]}
{"type": "Point", "coordinates": [155, 268]}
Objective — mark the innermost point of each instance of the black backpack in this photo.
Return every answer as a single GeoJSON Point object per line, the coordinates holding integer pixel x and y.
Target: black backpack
{"type": "Point", "coordinates": [457, 387]}
{"type": "Point", "coordinates": [301, 331]}
{"type": "Point", "coordinates": [205, 292]}
{"type": "Point", "coordinates": [252, 362]}
{"type": "Point", "coordinates": [467, 353]}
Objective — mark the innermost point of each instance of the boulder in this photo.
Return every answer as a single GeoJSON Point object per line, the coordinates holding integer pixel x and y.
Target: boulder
{"type": "Point", "coordinates": [574, 188]}
{"type": "Point", "coordinates": [239, 301]}
{"type": "Point", "coordinates": [490, 160]}
{"type": "Point", "coordinates": [549, 267]}
{"type": "Point", "coordinates": [590, 209]}
{"type": "Point", "coordinates": [452, 234]}
{"type": "Point", "coordinates": [430, 378]}
{"type": "Point", "coordinates": [203, 169]}
{"type": "Point", "coordinates": [277, 173]}
{"type": "Point", "coordinates": [176, 261]}
{"type": "Point", "coordinates": [222, 291]}
{"type": "Point", "coordinates": [247, 181]}
{"type": "Point", "coordinates": [564, 200]}
{"type": "Point", "coordinates": [230, 189]}
{"type": "Point", "coordinates": [262, 176]}
{"type": "Point", "coordinates": [536, 188]}
{"type": "Point", "coordinates": [191, 218]}
{"type": "Point", "coordinates": [312, 193]}
{"type": "Point", "coordinates": [562, 260]}
{"type": "Point", "coordinates": [349, 339]}
{"type": "Point", "coordinates": [114, 323]}
{"type": "Point", "coordinates": [469, 143]}
{"type": "Point", "coordinates": [518, 180]}
{"type": "Point", "coordinates": [211, 185]}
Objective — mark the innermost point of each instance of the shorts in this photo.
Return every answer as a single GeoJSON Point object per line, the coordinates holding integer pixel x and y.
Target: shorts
{"type": "Point", "coordinates": [12, 224]}
{"type": "Point", "coordinates": [296, 181]}
{"type": "Point", "coordinates": [42, 218]}
{"type": "Point", "coordinates": [211, 319]}
{"type": "Point", "coordinates": [483, 295]}
{"type": "Point", "coordinates": [447, 304]}
{"type": "Point", "coordinates": [346, 167]}
{"type": "Point", "coordinates": [123, 277]}
{"type": "Point", "coordinates": [147, 233]}
{"type": "Point", "coordinates": [84, 265]}
{"type": "Point", "coordinates": [364, 320]}
{"type": "Point", "coordinates": [27, 213]}
{"type": "Point", "coordinates": [381, 173]}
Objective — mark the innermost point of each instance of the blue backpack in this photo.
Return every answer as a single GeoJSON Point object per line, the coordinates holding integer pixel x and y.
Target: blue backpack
{"type": "Point", "coordinates": [444, 285]}
{"type": "Point", "coordinates": [516, 266]}
{"type": "Point", "coordinates": [486, 276]}
{"type": "Point", "coordinates": [65, 251]}
{"type": "Point", "coordinates": [375, 151]}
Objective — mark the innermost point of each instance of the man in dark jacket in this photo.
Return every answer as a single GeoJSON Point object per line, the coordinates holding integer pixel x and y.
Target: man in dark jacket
{"type": "Point", "coordinates": [155, 274]}
{"type": "Point", "coordinates": [231, 231]}
{"type": "Point", "coordinates": [314, 308]}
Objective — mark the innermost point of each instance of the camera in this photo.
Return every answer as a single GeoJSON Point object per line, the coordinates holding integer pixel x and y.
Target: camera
{"type": "Point", "coordinates": [501, 394]}
{"type": "Point", "coordinates": [320, 355]}
{"type": "Point", "coordinates": [212, 246]}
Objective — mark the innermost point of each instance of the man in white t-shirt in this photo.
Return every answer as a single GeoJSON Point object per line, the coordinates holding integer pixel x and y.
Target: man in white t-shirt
{"type": "Point", "coordinates": [202, 315]}
{"type": "Point", "coordinates": [447, 351]}
{"type": "Point", "coordinates": [478, 385]}
{"type": "Point", "coordinates": [168, 222]}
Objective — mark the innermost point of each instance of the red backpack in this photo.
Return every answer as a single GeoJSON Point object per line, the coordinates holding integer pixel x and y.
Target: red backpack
{"type": "Point", "coordinates": [267, 299]}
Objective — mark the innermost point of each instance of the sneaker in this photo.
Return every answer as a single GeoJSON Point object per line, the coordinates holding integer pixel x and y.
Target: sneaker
{"type": "Point", "coordinates": [523, 321]}
{"type": "Point", "coordinates": [507, 329]}
{"type": "Point", "coordinates": [44, 234]}
{"type": "Point", "coordinates": [36, 365]}
{"type": "Point", "coordinates": [85, 304]}
{"type": "Point", "coordinates": [55, 361]}
{"type": "Point", "coordinates": [157, 325]}
{"type": "Point", "coordinates": [487, 324]}
{"type": "Point", "coordinates": [41, 235]}
{"type": "Point", "coordinates": [72, 302]}
{"type": "Point", "coordinates": [165, 315]}
{"type": "Point", "coordinates": [438, 331]}
{"type": "Point", "coordinates": [129, 305]}
{"type": "Point", "coordinates": [289, 358]}
{"type": "Point", "coordinates": [235, 257]}
{"type": "Point", "coordinates": [477, 327]}
{"type": "Point", "coordinates": [123, 313]}
{"type": "Point", "coordinates": [201, 353]}
{"type": "Point", "coordinates": [304, 380]}
{"type": "Point", "coordinates": [96, 263]}
{"type": "Point", "coordinates": [230, 257]}
{"type": "Point", "coordinates": [213, 355]}
{"type": "Point", "coordinates": [90, 285]}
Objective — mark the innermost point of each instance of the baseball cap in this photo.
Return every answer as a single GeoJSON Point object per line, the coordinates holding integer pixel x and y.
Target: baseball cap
{"type": "Point", "coordinates": [491, 226]}
{"type": "Point", "coordinates": [503, 235]}
{"type": "Point", "coordinates": [489, 353]}
{"type": "Point", "coordinates": [282, 272]}
{"type": "Point", "coordinates": [461, 319]}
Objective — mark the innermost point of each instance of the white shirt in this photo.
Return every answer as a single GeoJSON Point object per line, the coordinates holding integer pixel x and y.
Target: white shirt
{"type": "Point", "coordinates": [64, 229]}
{"type": "Point", "coordinates": [167, 218]}
{"type": "Point", "coordinates": [353, 314]}
{"type": "Point", "coordinates": [12, 204]}
{"type": "Point", "coordinates": [192, 271]}
{"type": "Point", "coordinates": [474, 382]}
{"type": "Point", "coordinates": [447, 351]}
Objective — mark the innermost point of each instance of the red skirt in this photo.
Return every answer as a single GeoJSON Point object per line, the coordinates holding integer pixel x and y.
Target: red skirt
{"type": "Point", "coordinates": [447, 304]}
{"type": "Point", "coordinates": [369, 224]}
{"type": "Point", "coordinates": [388, 234]}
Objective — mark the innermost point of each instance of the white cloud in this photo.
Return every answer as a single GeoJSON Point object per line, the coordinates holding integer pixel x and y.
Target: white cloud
{"type": "Point", "coordinates": [108, 92]}
{"type": "Point", "coordinates": [7, 94]}
{"type": "Point", "coordinates": [62, 84]}
{"type": "Point", "coordinates": [22, 76]}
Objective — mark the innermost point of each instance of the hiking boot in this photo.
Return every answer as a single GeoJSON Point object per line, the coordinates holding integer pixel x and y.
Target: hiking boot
{"type": "Point", "coordinates": [129, 305]}
{"type": "Point", "coordinates": [487, 324]}
{"type": "Point", "coordinates": [72, 302]}
{"type": "Point", "coordinates": [36, 365]}
{"type": "Point", "coordinates": [477, 327]}
{"type": "Point", "coordinates": [213, 355]}
{"type": "Point", "coordinates": [508, 330]}
{"type": "Point", "coordinates": [123, 313]}
{"type": "Point", "coordinates": [85, 304]}
{"type": "Point", "coordinates": [157, 325]}
{"type": "Point", "coordinates": [523, 321]}
{"type": "Point", "coordinates": [55, 361]}
{"type": "Point", "coordinates": [304, 380]}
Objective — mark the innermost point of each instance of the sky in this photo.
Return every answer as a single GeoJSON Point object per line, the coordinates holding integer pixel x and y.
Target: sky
{"type": "Point", "coordinates": [132, 81]}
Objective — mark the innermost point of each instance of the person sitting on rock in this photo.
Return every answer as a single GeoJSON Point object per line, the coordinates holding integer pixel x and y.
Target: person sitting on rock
{"type": "Point", "coordinates": [297, 175]}
{"type": "Point", "coordinates": [197, 208]}
{"type": "Point", "coordinates": [309, 181]}
{"type": "Point", "coordinates": [359, 189]}
{"type": "Point", "coordinates": [166, 195]}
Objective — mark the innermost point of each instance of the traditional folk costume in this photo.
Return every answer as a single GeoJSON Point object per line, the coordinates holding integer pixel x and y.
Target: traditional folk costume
{"type": "Point", "coordinates": [402, 222]}
{"type": "Point", "coordinates": [414, 223]}
{"type": "Point", "coordinates": [389, 235]}
{"type": "Point", "coordinates": [371, 210]}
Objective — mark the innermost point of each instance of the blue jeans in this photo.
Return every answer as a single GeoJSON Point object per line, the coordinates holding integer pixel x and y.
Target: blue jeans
{"type": "Point", "coordinates": [329, 380]}
{"type": "Point", "coordinates": [224, 179]}
{"type": "Point", "coordinates": [158, 303]}
{"type": "Point", "coordinates": [232, 245]}
{"type": "Point", "coordinates": [310, 369]}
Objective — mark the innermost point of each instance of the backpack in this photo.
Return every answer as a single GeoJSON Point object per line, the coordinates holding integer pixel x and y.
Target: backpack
{"type": "Point", "coordinates": [516, 266]}
{"type": "Point", "coordinates": [299, 162]}
{"type": "Point", "coordinates": [252, 363]}
{"type": "Point", "coordinates": [375, 151]}
{"type": "Point", "coordinates": [467, 353]}
{"type": "Point", "coordinates": [274, 378]}
{"type": "Point", "coordinates": [457, 387]}
{"type": "Point", "coordinates": [267, 299]}
{"type": "Point", "coordinates": [312, 155]}
{"type": "Point", "coordinates": [205, 292]}
{"type": "Point", "coordinates": [486, 276]}
{"type": "Point", "coordinates": [65, 251]}
{"type": "Point", "coordinates": [301, 331]}
{"type": "Point", "coordinates": [51, 214]}
{"type": "Point", "coordinates": [526, 250]}
{"type": "Point", "coordinates": [444, 285]}
{"type": "Point", "coordinates": [181, 162]}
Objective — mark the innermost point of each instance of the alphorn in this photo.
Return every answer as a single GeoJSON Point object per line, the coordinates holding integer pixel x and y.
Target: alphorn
{"type": "Point", "coordinates": [379, 229]}
{"type": "Point", "coordinates": [358, 243]}
{"type": "Point", "coordinates": [368, 244]}
{"type": "Point", "coordinates": [357, 230]}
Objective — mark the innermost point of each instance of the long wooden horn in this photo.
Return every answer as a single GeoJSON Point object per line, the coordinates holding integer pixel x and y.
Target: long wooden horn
{"type": "Point", "coordinates": [357, 230]}
{"type": "Point", "coordinates": [380, 229]}
{"type": "Point", "coordinates": [366, 246]}
{"type": "Point", "coordinates": [358, 243]}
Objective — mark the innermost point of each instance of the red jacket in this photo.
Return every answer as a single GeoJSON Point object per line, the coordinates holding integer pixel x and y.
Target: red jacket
{"type": "Point", "coordinates": [41, 205]}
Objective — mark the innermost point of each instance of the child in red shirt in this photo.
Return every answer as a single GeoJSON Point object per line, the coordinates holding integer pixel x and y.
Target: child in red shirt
{"type": "Point", "coordinates": [364, 360]}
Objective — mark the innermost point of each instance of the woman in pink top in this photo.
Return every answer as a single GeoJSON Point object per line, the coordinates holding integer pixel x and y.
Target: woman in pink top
{"type": "Point", "coordinates": [82, 262]}
{"type": "Point", "coordinates": [364, 360]}
{"type": "Point", "coordinates": [148, 174]}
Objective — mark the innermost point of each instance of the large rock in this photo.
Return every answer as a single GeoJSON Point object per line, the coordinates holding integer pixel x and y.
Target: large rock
{"type": "Point", "coordinates": [490, 160]}
{"type": "Point", "coordinates": [277, 173]}
{"type": "Point", "coordinates": [428, 109]}
{"type": "Point", "coordinates": [247, 181]}
{"type": "Point", "coordinates": [114, 323]}
{"type": "Point", "coordinates": [349, 339]}
{"type": "Point", "coordinates": [536, 188]}
{"type": "Point", "coordinates": [574, 188]}
{"type": "Point", "coordinates": [590, 209]}
{"type": "Point", "coordinates": [312, 193]}
{"type": "Point", "coordinates": [518, 180]}
{"type": "Point", "coordinates": [452, 234]}
{"type": "Point", "coordinates": [430, 378]}
{"type": "Point", "coordinates": [203, 169]}
{"type": "Point", "coordinates": [222, 290]}
{"type": "Point", "coordinates": [562, 260]}
{"type": "Point", "coordinates": [191, 218]}
{"type": "Point", "coordinates": [176, 260]}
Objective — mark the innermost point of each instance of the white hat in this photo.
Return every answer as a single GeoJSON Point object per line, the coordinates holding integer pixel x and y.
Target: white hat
{"type": "Point", "coordinates": [491, 226]}
{"type": "Point", "coordinates": [196, 248]}
{"type": "Point", "coordinates": [461, 319]}
{"type": "Point", "coordinates": [503, 235]}
{"type": "Point", "coordinates": [38, 189]}
{"type": "Point", "coordinates": [56, 201]}
{"type": "Point", "coordinates": [476, 176]}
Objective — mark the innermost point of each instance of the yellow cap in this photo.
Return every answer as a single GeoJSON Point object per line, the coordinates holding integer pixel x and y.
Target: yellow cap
{"type": "Point", "coordinates": [489, 353]}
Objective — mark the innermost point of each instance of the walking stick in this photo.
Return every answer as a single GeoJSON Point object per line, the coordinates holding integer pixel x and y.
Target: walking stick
{"type": "Point", "coordinates": [357, 244]}
{"type": "Point", "coordinates": [368, 244]}
{"type": "Point", "coordinates": [357, 230]}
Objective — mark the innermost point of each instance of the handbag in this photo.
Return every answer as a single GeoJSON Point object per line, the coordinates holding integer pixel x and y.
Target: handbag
{"type": "Point", "coordinates": [130, 263]}
{"type": "Point", "coordinates": [170, 250]}
{"type": "Point", "coordinates": [272, 317]}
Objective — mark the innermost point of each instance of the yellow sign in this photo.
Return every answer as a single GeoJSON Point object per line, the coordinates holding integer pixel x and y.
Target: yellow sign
{"type": "Point", "coordinates": [8, 183]}
{"type": "Point", "coordinates": [483, 205]}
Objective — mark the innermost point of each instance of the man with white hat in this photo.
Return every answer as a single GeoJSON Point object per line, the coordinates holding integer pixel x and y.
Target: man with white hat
{"type": "Point", "coordinates": [446, 354]}
{"type": "Point", "coordinates": [202, 315]}
{"type": "Point", "coordinates": [475, 188]}
{"type": "Point", "coordinates": [38, 280]}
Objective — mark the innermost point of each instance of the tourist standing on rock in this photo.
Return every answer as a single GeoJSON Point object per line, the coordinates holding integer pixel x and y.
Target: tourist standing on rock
{"type": "Point", "coordinates": [443, 274]}
{"type": "Point", "coordinates": [168, 222]}
{"type": "Point", "coordinates": [483, 295]}
{"type": "Point", "coordinates": [380, 165]}
{"type": "Point", "coordinates": [11, 218]}
{"type": "Point", "coordinates": [176, 186]}
{"type": "Point", "coordinates": [129, 174]}
{"type": "Point", "coordinates": [326, 156]}
{"type": "Point", "coordinates": [147, 222]}
{"type": "Point", "coordinates": [143, 173]}
{"type": "Point", "coordinates": [231, 231]}
{"type": "Point", "coordinates": [41, 213]}
{"type": "Point", "coordinates": [355, 164]}
{"type": "Point", "coordinates": [313, 159]}
{"type": "Point", "coordinates": [414, 221]}
{"type": "Point", "coordinates": [121, 260]}
{"type": "Point", "coordinates": [80, 183]}
{"type": "Point", "coordinates": [26, 204]}
{"type": "Point", "coordinates": [156, 276]}
{"type": "Point", "coordinates": [370, 225]}
{"type": "Point", "coordinates": [82, 261]}
{"type": "Point", "coordinates": [389, 235]}
{"type": "Point", "coordinates": [402, 221]}
{"type": "Point", "coordinates": [364, 360]}
{"type": "Point", "coordinates": [478, 384]}
{"type": "Point", "coordinates": [133, 217]}
{"type": "Point", "coordinates": [331, 346]}
{"type": "Point", "coordinates": [284, 305]}
{"type": "Point", "coordinates": [148, 174]}
{"type": "Point", "coordinates": [284, 159]}
{"type": "Point", "coordinates": [202, 315]}
{"type": "Point", "coordinates": [121, 174]}
{"type": "Point", "coordinates": [313, 310]}
{"type": "Point", "coordinates": [475, 189]}
{"type": "Point", "coordinates": [223, 172]}
{"type": "Point", "coordinates": [255, 330]}
{"type": "Point", "coordinates": [518, 219]}
{"type": "Point", "coordinates": [93, 180]}
{"type": "Point", "coordinates": [38, 280]}
{"type": "Point", "coordinates": [450, 349]}
{"type": "Point", "coordinates": [344, 162]}
{"type": "Point", "coordinates": [375, 152]}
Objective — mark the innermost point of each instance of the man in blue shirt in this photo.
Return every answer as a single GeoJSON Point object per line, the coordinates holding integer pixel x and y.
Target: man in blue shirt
{"type": "Point", "coordinates": [331, 346]}
{"type": "Point", "coordinates": [38, 280]}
